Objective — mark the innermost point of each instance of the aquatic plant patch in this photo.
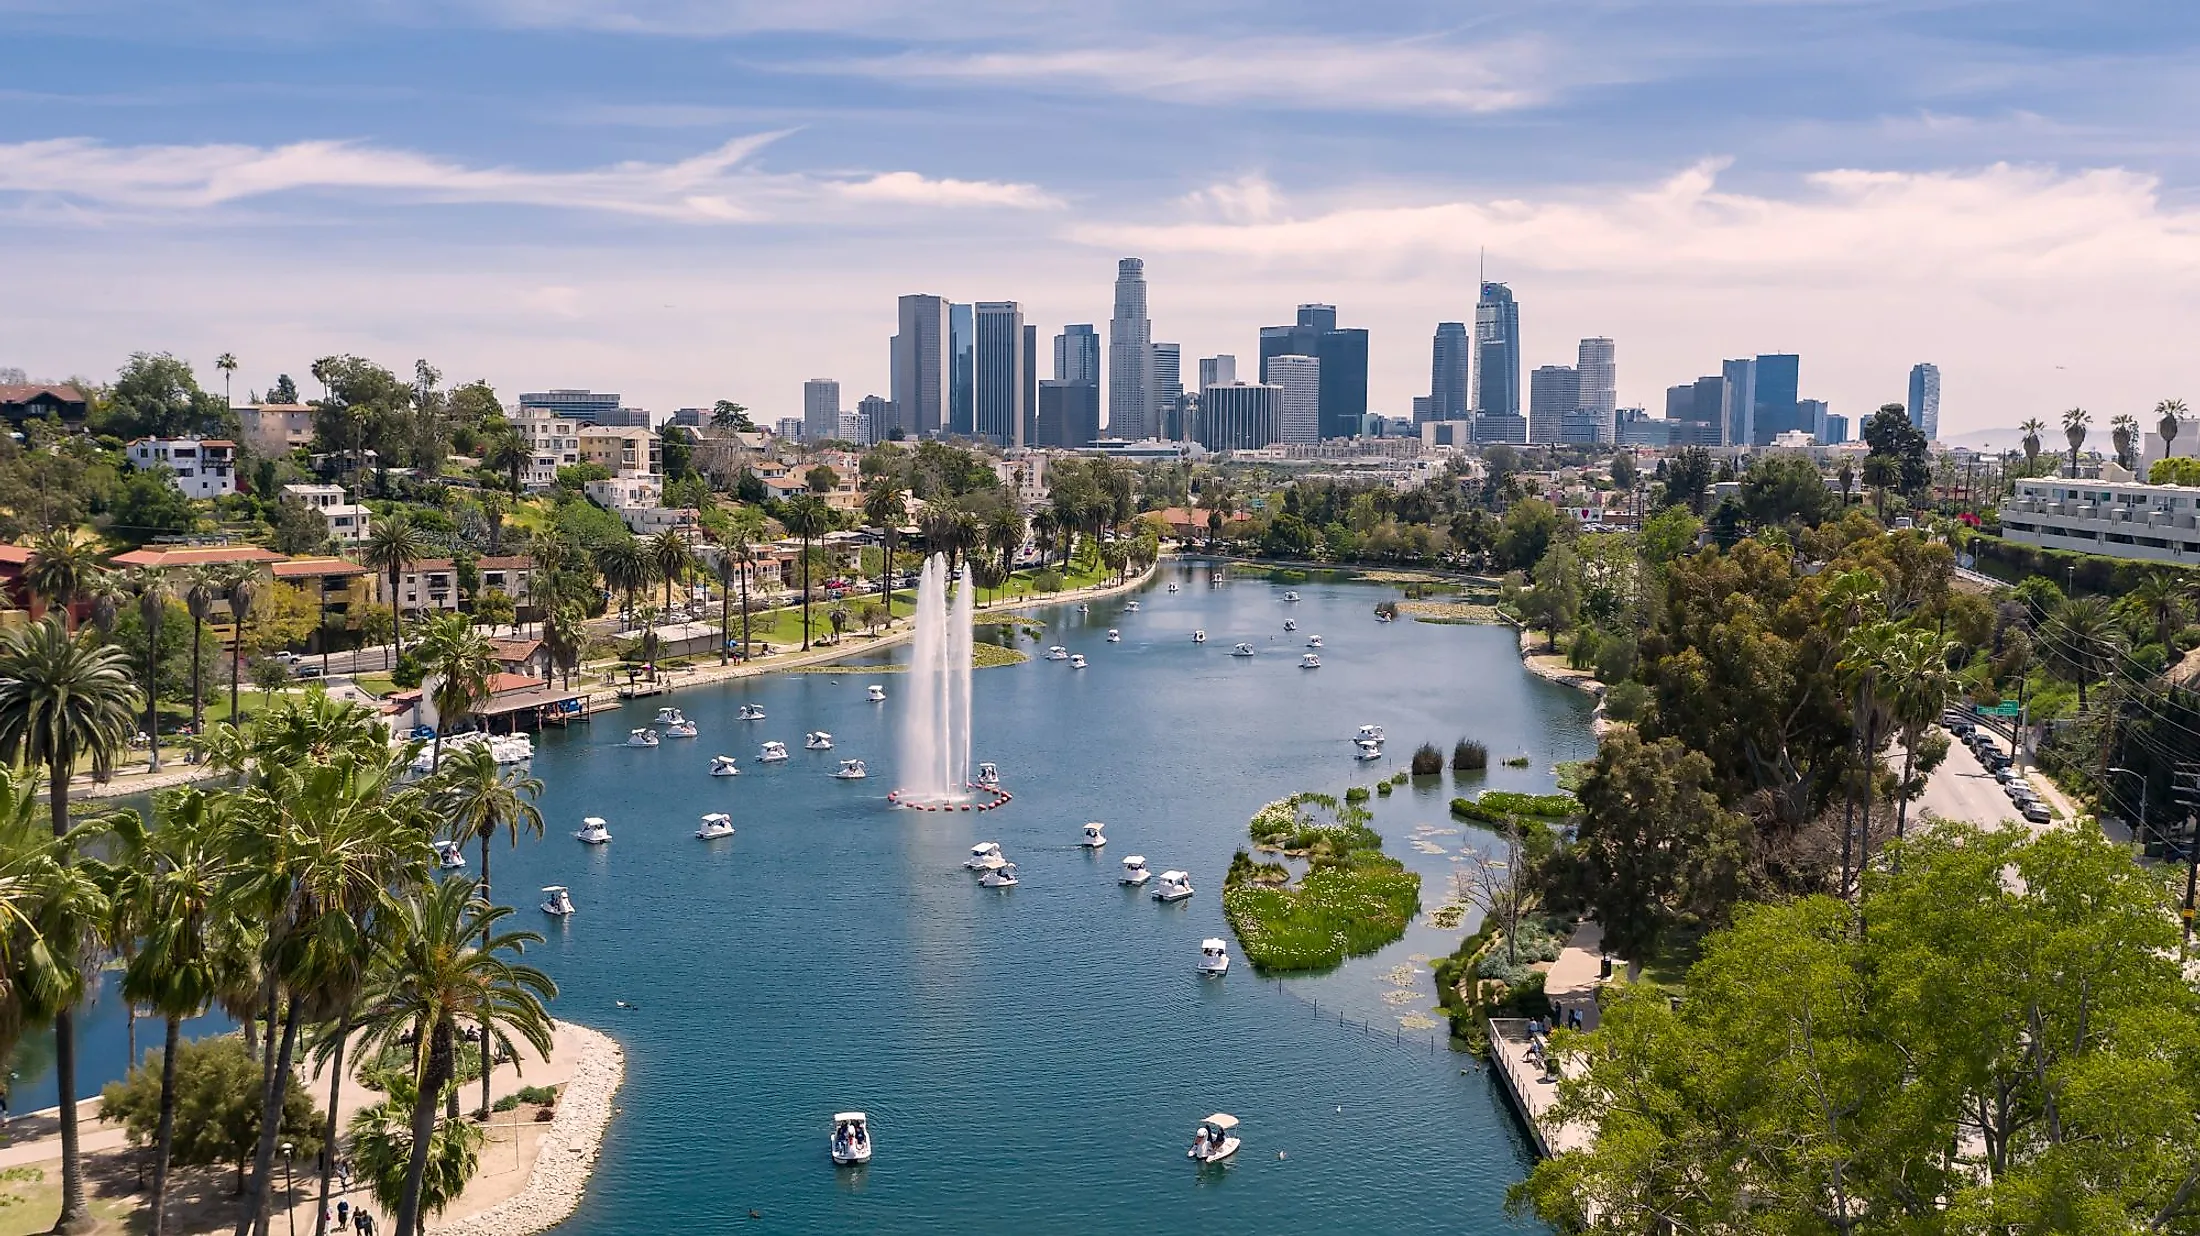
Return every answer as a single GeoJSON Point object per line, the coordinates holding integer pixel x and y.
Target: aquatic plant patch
{"type": "Point", "coordinates": [1345, 908]}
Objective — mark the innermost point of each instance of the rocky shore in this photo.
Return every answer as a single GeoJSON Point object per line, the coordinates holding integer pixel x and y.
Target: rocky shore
{"type": "Point", "coordinates": [567, 1155]}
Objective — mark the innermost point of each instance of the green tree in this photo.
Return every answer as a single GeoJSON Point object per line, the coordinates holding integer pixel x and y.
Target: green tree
{"type": "Point", "coordinates": [446, 963]}
{"type": "Point", "coordinates": [807, 517]}
{"type": "Point", "coordinates": [63, 699]}
{"type": "Point", "coordinates": [1904, 449]}
{"type": "Point", "coordinates": [1670, 534]}
{"type": "Point", "coordinates": [2074, 424]}
{"type": "Point", "coordinates": [1786, 489]}
{"type": "Point", "coordinates": [61, 570]}
{"type": "Point", "coordinates": [2083, 640]}
{"type": "Point", "coordinates": [394, 546]}
{"type": "Point", "coordinates": [670, 559]}
{"type": "Point", "coordinates": [821, 479]}
{"type": "Point", "coordinates": [156, 395]}
{"type": "Point", "coordinates": [381, 1147]}
{"type": "Point", "coordinates": [242, 583]}
{"type": "Point", "coordinates": [1919, 685]}
{"type": "Point", "coordinates": [886, 508]}
{"type": "Point", "coordinates": [211, 1105]}
{"type": "Point", "coordinates": [299, 529]}
{"type": "Point", "coordinates": [148, 505]}
{"type": "Point", "coordinates": [625, 566]}
{"type": "Point", "coordinates": [461, 664]}
{"type": "Point", "coordinates": [480, 798]}
{"type": "Point", "coordinates": [2009, 1047]}
{"type": "Point", "coordinates": [1688, 479]}
{"type": "Point", "coordinates": [1528, 530]}
{"type": "Point", "coordinates": [154, 595]}
{"type": "Point", "coordinates": [1656, 849]}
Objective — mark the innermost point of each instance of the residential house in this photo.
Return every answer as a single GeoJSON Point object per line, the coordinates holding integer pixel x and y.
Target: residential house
{"type": "Point", "coordinates": [625, 450]}
{"type": "Point", "coordinates": [553, 442]}
{"type": "Point", "coordinates": [21, 402]}
{"type": "Point", "coordinates": [621, 493]}
{"type": "Point", "coordinates": [347, 522]}
{"type": "Point", "coordinates": [277, 429]}
{"type": "Point", "coordinates": [526, 658]}
{"type": "Point", "coordinates": [651, 520]}
{"type": "Point", "coordinates": [199, 467]}
{"type": "Point", "coordinates": [429, 586]}
{"type": "Point", "coordinates": [510, 574]}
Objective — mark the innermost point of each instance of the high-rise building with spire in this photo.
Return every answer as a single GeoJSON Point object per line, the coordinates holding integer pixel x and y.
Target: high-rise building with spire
{"type": "Point", "coordinates": [1130, 355]}
{"type": "Point", "coordinates": [1497, 354]}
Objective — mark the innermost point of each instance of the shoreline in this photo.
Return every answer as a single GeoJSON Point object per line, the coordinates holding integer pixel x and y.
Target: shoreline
{"type": "Point", "coordinates": [569, 1150]}
{"type": "Point", "coordinates": [606, 698]}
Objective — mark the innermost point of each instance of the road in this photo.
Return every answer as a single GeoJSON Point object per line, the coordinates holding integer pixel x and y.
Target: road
{"type": "Point", "coordinates": [1962, 789]}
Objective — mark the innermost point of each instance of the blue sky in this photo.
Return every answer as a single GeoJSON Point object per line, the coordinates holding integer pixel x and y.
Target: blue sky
{"type": "Point", "coordinates": [686, 200]}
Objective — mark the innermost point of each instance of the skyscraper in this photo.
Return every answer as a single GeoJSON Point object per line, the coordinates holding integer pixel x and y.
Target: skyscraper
{"type": "Point", "coordinates": [1925, 399]}
{"type": "Point", "coordinates": [1069, 414]}
{"type": "Point", "coordinates": [999, 373]}
{"type": "Point", "coordinates": [1553, 391]}
{"type": "Point", "coordinates": [1497, 352]}
{"type": "Point", "coordinates": [1165, 404]}
{"type": "Point", "coordinates": [1130, 354]}
{"type": "Point", "coordinates": [1776, 400]}
{"type": "Point", "coordinates": [1699, 413]}
{"type": "Point", "coordinates": [877, 412]}
{"type": "Point", "coordinates": [1217, 370]}
{"type": "Point", "coordinates": [1238, 416]}
{"type": "Point", "coordinates": [1077, 354]}
{"type": "Point", "coordinates": [920, 367]}
{"type": "Point", "coordinates": [820, 409]}
{"type": "Point", "coordinates": [1738, 423]}
{"type": "Point", "coordinates": [1598, 366]}
{"type": "Point", "coordinates": [1343, 357]}
{"type": "Point", "coordinates": [1448, 398]}
{"type": "Point", "coordinates": [1298, 380]}
{"type": "Point", "coordinates": [961, 353]}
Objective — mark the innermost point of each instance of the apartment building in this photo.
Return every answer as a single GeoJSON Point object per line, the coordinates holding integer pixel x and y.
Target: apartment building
{"type": "Point", "coordinates": [198, 467]}
{"type": "Point", "coordinates": [348, 522]}
{"type": "Point", "coordinates": [2121, 519]}
{"type": "Point", "coordinates": [553, 442]}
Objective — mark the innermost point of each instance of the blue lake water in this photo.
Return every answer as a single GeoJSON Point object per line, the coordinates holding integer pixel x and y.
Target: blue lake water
{"type": "Point", "coordinates": [1033, 1059]}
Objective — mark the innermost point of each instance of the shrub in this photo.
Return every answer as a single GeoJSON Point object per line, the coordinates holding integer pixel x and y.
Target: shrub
{"type": "Point", "coordinates": [1288, 575]}
{"type": "Point", "coordinates": [1384, 788]}
{"type": "Point", "coordinates": [1583, 652]}
{"type": "Point", "coordinates": [218, 1103]}
{"type": "Point", "coordinates": [1047, 581]}
{"type": "Point", "coordinates": [537, 1094]}
{"type": "Point", "coordinates": [1626, 700]}
{"type": "Point", "coordinates": [1469, 756]}
{"type": "Point", "coordinates": [1517, 761]}
{"type": "Point", "coordinates": [505, 1104]}
{"type": "Point", "coordinates": [1427, 760]}
{"type": "Point", "coordinates": [1357, 794]}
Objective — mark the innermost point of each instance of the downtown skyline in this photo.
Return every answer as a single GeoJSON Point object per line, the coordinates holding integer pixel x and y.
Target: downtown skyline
{"type": "Point", "coordinates": [581, 195]}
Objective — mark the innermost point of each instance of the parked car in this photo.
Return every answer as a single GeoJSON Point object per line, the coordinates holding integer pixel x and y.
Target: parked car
{"type": "Point", "coordinates": [306, 669]}
{"type": "Point", "coordinates": [2037, 812]}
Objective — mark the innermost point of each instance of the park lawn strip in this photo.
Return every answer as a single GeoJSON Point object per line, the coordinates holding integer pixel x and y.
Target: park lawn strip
{"type": "Point", "coordinates": [1353, 899]}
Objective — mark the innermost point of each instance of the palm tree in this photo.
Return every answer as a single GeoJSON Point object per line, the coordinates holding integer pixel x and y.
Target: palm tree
{"type": "Point", "coordinates": [446, 964]}
{"type": "Point", "coordinates": [228, 365]}
{"type": "Point", "coordinates": [670, 559]}
{"type": "Point", "coordinates": [2084, 636]}
{"type": "Point", "coordinates": [839, 617]}
{"type": "Point", "coordinates": [625, 568]}
{"type": "Point", "coordinates": [479, 798]}
{"type": "Point", "coordinates": [886, 508]}
{"type": "Point", "coordinates": [63, 699]}
{"type": "Point", "coordinates": [106, 593]}
{"type": "Point", "coordinates": [202, 587]}
{"type": "Point", "coordinates": [1919, 685]}
{"type": "Point", "coordinates": [168, 908]}
{"type": "Point", "coordinates": [2170, 411]}
{"type": "Point", "coordinates": [322, 844]}
{"type": "Point", "coordinates": [2123, 432]}
{"type": "Point", "coordinates": [60, 569]}
{"type": "Point", "coordinates": [462, 664]}
{"type": "Point", "coordinates": [807, 516]}
{"type": "Point", "coordinates": [381, 1148]}
{"type": "Point", "coordinates": [2074, 424]}
{"type": "Point", "coordinates": [153, 592]}
{"type": "Point", "coordinates": [562, 634]}
{"type": "Point", "coordinates": [394, 545]}
{"type": "Point", "coordinates": [244, 589]}
{"type": "Point", "coordinates": [2162, 599]}
{"type": "Point", "coordinates": [1004, 534]}
{"type": "Point", "coordinates": [2034, 429]}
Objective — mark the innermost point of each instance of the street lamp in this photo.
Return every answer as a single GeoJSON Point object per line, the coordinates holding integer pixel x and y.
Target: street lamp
{"type": "Point", "coordinates": [290, 1192]}
{"type": "Point", "coordinates": [2138, 834]}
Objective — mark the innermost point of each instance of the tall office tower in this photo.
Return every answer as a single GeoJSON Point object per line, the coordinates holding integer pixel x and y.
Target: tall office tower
{"type": "Point", "coordinates": [1553, 391]}
{"type": "Point", "coordinates": [1701, 413]}
{"type": "Point", "coordinates": [1925, 399]}
{"type": "Point", "coordinates": [820, 409]}
{"type": "Point", "coordinates": [1077, 354]}
{"type": "Point", "coordinates": [1597, 363]}
{"type": "Point", "coordinates": [1343, 354]}
{"type": "Point", "coordinates": [1739, 428]}
{"type": "Point", "coordinates": [1774, 402]}
{"type": "Point", "coordinates": [1167, 376]}
{"type": "Point", "coordinates": [1299, 405]}
{"type": "Point", "coordinates": [1069, 414]}
{"type": "Point", "coordinates": [1238, 416]}
{"type": "Point", "coordinates": [999, 373]}
{"type": "Point", "coordinates": [1497, 352]}
{"type": "Point", "coordinates": [961, 356]}
{"type": "Point", "coordinates": [1030, 420]}
{"type": "Point", "coordinates": [1811, 415]}
{"type": "Point", "coordinates": [1448, 397]}
{"type": "Point", "coordinates": [920, 367]}
{"type": "Point", "coordinates": [1130, 355]}
{"type": "Point", "coordinates": [593, 407]}
{"type": "Point", "coordinates": [1837, 429]}
{"type": "Point", "coordinates": [877, 412]}
{"type": "Point", "coordinates": [1217, 370]}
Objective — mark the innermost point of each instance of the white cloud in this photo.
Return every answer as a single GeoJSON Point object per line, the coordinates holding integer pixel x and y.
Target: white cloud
{"type": "Point", "coordinates": [1993, 222]}
{"type": "Point", "coordinates": [1296, 73]}
{"type": "Point", "coordinates": [716, 186]}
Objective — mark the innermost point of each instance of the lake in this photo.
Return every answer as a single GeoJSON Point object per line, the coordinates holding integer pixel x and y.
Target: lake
{"type": "Point", "coordinates": [1033, 1059]}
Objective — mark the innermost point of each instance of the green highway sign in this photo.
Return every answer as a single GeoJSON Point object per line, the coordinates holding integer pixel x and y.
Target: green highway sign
{"type": "Point", "coordinates": [2000, 710]}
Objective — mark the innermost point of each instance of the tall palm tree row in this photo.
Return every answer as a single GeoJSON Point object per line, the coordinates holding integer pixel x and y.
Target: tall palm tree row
{"type": "Point", "coordinates": [479, 798]}
{"type": "Point", "coordinates": [153, 592]}
{"type": "Point", "coordinates": [886, 508]}
{"type": "Point", "coordinates": [808, 517]}
{"type": "Point", "coordinates": [243, 585]}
